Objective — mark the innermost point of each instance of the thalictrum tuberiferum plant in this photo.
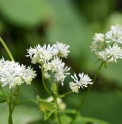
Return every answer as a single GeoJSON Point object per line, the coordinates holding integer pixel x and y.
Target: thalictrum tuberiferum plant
{"type": "Point", "coordinates": [107, 48]}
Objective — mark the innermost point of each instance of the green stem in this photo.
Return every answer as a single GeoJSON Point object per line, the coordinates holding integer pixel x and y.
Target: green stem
{"type": "Point", "coordinates": [6, 48]}
{"type": "Point", "coordinates": [44, 83]}
{"type": "Point", "coordinates": [15, 103]}
{"type": "Point", "coordinates": [29, 100]}
{"type": "Point", "coordinates": [4, 95]}
{"type": "Point", "coordinates": [10, 111]}
{"type": "Point", "coordinates": [11, 108]}
{"type": "Point", "coordinates": [55, 98]}
{"type": "Point", "coordinates": [10, 99]}
{"type": "Point", "coordinates": [85, 95]}
{"type": "Point", "coordinates": [57, 112]}
{"type": "Point", "coordinates": [62, 95]}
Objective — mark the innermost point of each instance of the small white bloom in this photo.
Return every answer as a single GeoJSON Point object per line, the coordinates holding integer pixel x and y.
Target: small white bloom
{"type": "Point", "coordinates": [61, 72]}
{"type": "Point", "coordinates": [74, 87]}
{"type": "Point", "coordinates": [34, 54]}
{"type": "Point", "coordinates": [107, 51]}
{"type": "Point", "coordinates": [62, 49]}
{"type": "Point", "coordinates": [12, 74]}
{"type": "Point", "coordinates": [40, 54]}
{"type": "Point", "coordinates": [111, 54]}
{"type": "Point", "coordinates": [48, 56]}
{"type": "Point", "coordinates": [115, 34]}
{"type": "Point", "coordinates": [102, 55]}
{"type": "Point", "coordinates": [46, 75]}
{"type": "Point", "coordinates": [55, 62]}
{"type": "Point", "coordinates": [98, 43]}
{"type": "Point", "coordinates": [47, 66]}
{"type": "Point", "coordinates": [18, 80]}
{"type": "Point", "coordinates": [98, 37]}
{"type": "Point", "coordinates": [83, 81]}
{"type": "Point", "coordinates": [94, 47]}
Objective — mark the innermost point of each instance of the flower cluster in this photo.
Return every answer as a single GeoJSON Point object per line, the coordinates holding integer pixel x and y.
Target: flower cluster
{"type": "Point", "coordinates": [107, 46]}
{"type": "Point", "coordinates": [12, 74]}
{"type": "Point", "coordinates": [82, 82]}
{"type": "Point", "coordinates": [50, 59]}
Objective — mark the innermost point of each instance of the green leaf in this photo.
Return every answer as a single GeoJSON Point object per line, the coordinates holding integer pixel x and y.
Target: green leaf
{"type": "Point", "coordinates": [65, 118]}
{"type": "Point", "coordinates": [87, 120]}
{"type": "Point", "coordinates": [21, 115]}
{"type": "Point", "coordinates": [24, 13]}
{"type": "Point", "coordinates": [81, 120]}
{"type": "Point", "coordinates": [47, 114]}
{"type": "Point", "coordinates": [103, 105]}
{"type": "Point", "coordinates": [44, 104]}
{"type": "Point", "coordinates": [2, 98]}
{"type": "Point", "coordinates": [69, 29]}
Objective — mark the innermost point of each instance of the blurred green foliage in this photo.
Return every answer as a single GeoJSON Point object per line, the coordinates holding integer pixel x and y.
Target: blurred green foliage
{"type": "Point", "coordinates": [26, 23]}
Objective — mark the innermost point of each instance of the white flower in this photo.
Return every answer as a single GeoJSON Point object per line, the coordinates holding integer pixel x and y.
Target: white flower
{"type": "Point", "coordinates": [98, 42]}
{"type": "Point", "coordinates": [107, 51]}
{"type": "Point", "coordinates": [61, 72]}
{"type": "Point", "coordinates": [47, 66]}
{"type": "Point", "coordinates": [34, 54]}
{"type": "Point", "coordinates": [12, 74]}
{"type": "Point", "coordinates": [55, 62]}
{"type": "Point", "coordinates": [40, 54]}
{"type": "Point", "coordinates": [62, 49]}
{"type": "Point", "coordinates": [46, 75]}
{"type": "Point", "coordinates": [102, 55]}
{"type": "Point", "coordinates": [82, 82]}
{"type": "Point", "coordinates": [49, 58]}
{"type": "Point", "coordinates": [94, 47]}
{"type": "Point", "coordinates": [74, 87]}
{"type": "Point", "coordinates": [115, 34]}
{"type": "Point", "coordinates": [98, 37]}
{"type": "Point", "coordinates": [111, 54]}
{"type": "Point", "coordinates": [48, 52]}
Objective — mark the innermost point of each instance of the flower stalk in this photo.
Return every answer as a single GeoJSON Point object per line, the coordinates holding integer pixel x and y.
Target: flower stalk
{"type": "Point", "coordinates": [86, 94]}
{"type": "Point", "coordinates": [20, 75]}
{"type": "Point", "coordinates": [6, 48]}
{"type": "Point", "coordinates": [56, 102]}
